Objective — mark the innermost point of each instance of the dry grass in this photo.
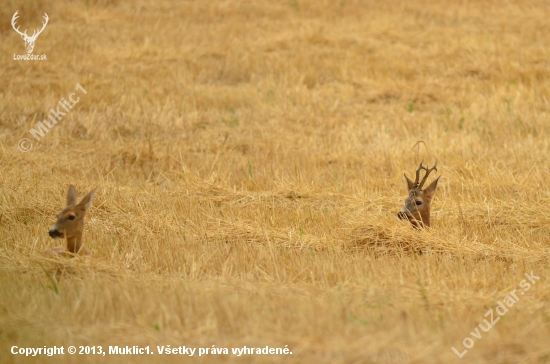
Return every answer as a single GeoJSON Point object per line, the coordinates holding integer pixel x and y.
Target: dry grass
{"type": "Point", "coordinates": [250, 160]}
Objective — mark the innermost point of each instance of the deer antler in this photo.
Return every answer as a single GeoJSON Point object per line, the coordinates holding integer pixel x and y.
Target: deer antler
{"type": "Point", "coordinates": [43, 26]}
{"type": "Point", "coordinates": [13, 19]}
{"type": "Point", "coordinates": [24, 34]}
{"type": "Point", "coordinates": [417, 185]}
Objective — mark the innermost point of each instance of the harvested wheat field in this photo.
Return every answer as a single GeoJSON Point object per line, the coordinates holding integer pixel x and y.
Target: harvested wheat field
{"type": "Point", "coordinates": [249, 160]}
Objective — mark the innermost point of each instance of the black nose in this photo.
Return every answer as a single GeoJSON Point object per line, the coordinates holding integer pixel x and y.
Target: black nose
{"type": "Point", "coordinates": [401, 215]}
{"type": "Point", "coordinates": [54, 233]}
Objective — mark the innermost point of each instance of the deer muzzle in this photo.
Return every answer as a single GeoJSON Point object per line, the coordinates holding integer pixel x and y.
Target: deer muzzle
{"type": "Point", "coordinates": [55, 234]}
{"type": "Point", "coordinates": [403, 215]}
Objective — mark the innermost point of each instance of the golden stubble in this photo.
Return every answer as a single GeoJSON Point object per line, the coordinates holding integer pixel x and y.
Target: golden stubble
{"type": "Point", "coordinates": [250, 160]}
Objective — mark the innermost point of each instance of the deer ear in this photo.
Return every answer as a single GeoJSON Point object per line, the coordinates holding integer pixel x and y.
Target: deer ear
{"type": "Point", "coordinates": [429, 192]}
{"type": "Point", "coordinates": [87, 200]}
{"type": "Point", "coordinates": [71, 196]}
{"type": "Point", "coordinates": [409, 183]}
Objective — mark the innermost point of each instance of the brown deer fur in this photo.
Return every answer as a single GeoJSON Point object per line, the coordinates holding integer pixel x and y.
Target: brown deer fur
{"type": "Point", "coordinates": [417, 205]}
{"type": "Point", "coordinates": [70, 224]}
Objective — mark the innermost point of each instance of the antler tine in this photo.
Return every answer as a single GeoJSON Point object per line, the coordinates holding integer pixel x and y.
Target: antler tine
{"type": "Point", "coordinates": [37, 32]}
{"type": "Point", "coordinates": [415, 184]}
{"type": "Point", "coordinates": [13, 20]}
{"type": "Point", "coordinates": [46, 21]}
{"type": "Point", "coordinates": [428, 171]}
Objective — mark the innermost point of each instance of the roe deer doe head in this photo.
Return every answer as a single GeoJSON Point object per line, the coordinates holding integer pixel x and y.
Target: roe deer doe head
{"type": "Point", "coordinates": [70, 224]}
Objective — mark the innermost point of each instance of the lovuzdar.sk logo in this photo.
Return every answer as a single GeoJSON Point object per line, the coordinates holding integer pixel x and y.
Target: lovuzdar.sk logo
{"type": "Point", "coordinates": [29, 40]}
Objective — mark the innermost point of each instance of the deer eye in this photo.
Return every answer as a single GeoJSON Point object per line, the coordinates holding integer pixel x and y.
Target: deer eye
{"type": "Point", "coordinates": [72, 217]}
{"type": "Point", "coordinates": [418, 203]}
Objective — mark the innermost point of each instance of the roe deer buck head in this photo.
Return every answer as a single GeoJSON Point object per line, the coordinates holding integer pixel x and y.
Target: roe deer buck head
{"type": "Point", "coordinates": [29, 41]}
{"type": "Point", "coordinates": [70, 224]}
{"type": "Point", "coordinates": [417, 205]}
